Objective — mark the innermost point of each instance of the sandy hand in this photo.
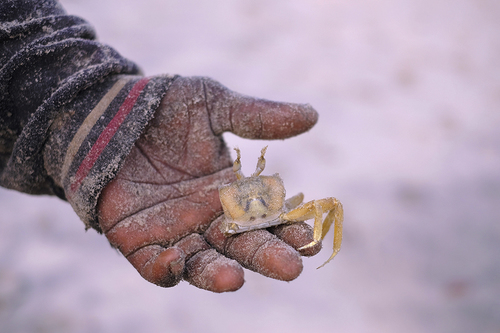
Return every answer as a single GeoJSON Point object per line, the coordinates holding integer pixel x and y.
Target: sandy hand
{"type": "Point", "coordinates": [162, 210]}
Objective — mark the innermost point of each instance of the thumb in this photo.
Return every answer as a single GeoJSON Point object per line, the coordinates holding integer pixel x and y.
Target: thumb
{"type": "Point", "coordinates": [255, 118]}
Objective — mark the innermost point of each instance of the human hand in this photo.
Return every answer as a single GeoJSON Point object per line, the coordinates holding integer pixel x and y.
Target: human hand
{"type": "Point", "coordinates": [162, 210]}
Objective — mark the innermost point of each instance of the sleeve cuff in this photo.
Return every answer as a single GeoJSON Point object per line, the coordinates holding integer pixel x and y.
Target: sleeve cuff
{"type": "Point", "coordinates": [101, 137]}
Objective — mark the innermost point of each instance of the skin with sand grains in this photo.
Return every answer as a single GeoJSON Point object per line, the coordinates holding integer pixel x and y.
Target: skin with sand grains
{"type": "Point", "coordinates": [163, 212]}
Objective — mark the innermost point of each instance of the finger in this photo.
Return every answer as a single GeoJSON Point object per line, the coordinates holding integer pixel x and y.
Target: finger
{"type": "Point", "coordinates": [255, 118]}
{"type": "Point", "coordinates": [163, 267]}
{"type": "Point", "coordinates": [192, 244]}
{"type": "Point", "coordinates": [259, 251]}
{"type": "Point", "coordinates": [297, 235]}
{"type": "Point", "coordinates": [212, 271]}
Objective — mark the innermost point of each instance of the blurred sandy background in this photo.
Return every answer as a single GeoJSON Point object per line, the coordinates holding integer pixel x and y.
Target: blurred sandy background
{"type": "Point", "coordinates": [408, 139]}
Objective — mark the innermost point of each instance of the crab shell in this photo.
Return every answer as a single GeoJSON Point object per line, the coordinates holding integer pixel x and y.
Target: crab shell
{"type": "Point", "coordinates": [252, 203]}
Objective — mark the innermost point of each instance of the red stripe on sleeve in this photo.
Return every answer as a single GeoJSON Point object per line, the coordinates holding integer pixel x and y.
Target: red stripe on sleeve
{"type": "Point", "coordinates": [108, 134]}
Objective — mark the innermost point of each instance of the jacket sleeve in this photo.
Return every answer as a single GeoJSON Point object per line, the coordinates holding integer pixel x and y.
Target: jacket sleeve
{"type": "Point", "coordinates": [71, 108]}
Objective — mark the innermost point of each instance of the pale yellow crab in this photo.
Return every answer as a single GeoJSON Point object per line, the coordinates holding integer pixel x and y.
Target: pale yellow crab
{"type": "Point", "coordinates": [258, 202]}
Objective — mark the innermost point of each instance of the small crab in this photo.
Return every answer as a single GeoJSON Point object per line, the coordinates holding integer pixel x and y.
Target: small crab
{"type": "Point", "coordinates": [258, 202]}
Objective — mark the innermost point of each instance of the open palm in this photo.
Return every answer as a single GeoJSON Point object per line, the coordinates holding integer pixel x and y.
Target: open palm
{"type": "Point", "coordinates": [162, 211]}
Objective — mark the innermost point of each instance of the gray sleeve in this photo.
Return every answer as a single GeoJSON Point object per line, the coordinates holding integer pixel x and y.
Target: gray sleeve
{"type": "Point", "coordinates": [71, 108]}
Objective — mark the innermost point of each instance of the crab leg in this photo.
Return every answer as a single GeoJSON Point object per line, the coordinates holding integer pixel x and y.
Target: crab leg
{"type": "Point", "coordinates": [335, 215]}
{"type": "Point", "coordinates": [314, 209]}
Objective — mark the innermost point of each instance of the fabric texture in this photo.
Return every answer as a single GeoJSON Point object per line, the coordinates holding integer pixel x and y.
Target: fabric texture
{"type": "Point", "coordinates": [71, 108]}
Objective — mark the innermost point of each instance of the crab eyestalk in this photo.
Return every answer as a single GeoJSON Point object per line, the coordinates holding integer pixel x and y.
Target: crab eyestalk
{"type": "Point", "coordinates": [261, 163]}
{"type": "Point", "coordinates": [237, 165]}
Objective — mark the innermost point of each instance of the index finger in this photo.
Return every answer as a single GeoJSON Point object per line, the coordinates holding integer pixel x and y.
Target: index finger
{"type": "Point", "coordinates": [257, 250]}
